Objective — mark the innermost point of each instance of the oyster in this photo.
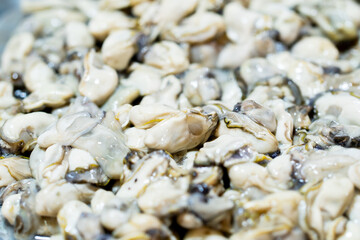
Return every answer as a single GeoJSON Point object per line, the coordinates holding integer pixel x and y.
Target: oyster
{"type": "Point", "coordinates": [21, 131]}
{"type": "Point", "coordinates": [97, 74]}
{"type": "Point", "coordinates": [193, 127]}
{"type": "Point", "coordinates": [201, 87]}
{"type": "Point", "coordinates": [53, 197]}
{"type": "Point", "coordinates": [78, 35]}
{"type": "Point", "coordinates": [106, 21]}
{"type": "Point", "coordinates": [13, 169]}
{"type": "Point", "coordinates": [16, 51]}
{"type": "Point", "coordinates": [198, 28]}
{"type": "Point", "coordinates": [69, 215]}
{"type": "Point", "coordinates": [168, 57]}
{"type": "Point", "coordinates": [118, 48]}
{"type": "Point", "coordinates": [100, 135]}
{"type": "Point", "coordinates": [192, 119]}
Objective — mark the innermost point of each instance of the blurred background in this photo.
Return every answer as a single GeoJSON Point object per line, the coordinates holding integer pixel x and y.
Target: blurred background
{"type": "Point", "coordinates": [10, 16]}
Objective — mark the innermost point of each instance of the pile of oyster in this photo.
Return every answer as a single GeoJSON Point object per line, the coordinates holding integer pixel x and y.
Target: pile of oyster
{"type": "Point", "coordinates": [191, 119]}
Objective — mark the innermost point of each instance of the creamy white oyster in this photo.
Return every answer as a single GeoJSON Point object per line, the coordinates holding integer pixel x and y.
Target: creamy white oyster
{"type": "Point", "coordinates": [251, 133]}
{"type": "Point", "coordinates": [145, 78]}
{"type": "Point", "coordinates": [99, 80]}
{"type": "Point", "coordinates": [54, 196]}
{"type": "Point", "coordinates": [21, 131]}
{"type": "Point", "coordinates": [13, 169]}
{"type": "Point", "coordinates": [201, 87]}
{"type": "Point", "coordinates": [198, 28]}
{"type": "Point", "coordinates": [55, 94]}
{"type": "Point", "coordinates": [106, 21]}
{"type": "Point", "coordinates": [341, 106]}
{"type": "Point", "coordinates": [308, 76]}
{"type": "Point", "coordinates": [154, 165]}
{"type": "Point", "coordinates": [168, 57]}
{"type": "Point", "coordinates": [167, 94]}
{"type": "Point", "coordinates": [78, 35]}
{"type": "Point", "coordinates": [189, 128]}
{"type": "Point", "coordinates": [314, 48]}
{"type": "Point", "coordinates": [92, 131]}
{"type": "Point", "coordinates": [118, 48]}
{"type": "Point", "coordinates": [16, 51]}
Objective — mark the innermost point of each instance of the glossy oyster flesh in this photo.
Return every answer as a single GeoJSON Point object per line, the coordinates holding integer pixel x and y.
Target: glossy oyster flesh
{"type": "Point", "coordinates": [193, 119]}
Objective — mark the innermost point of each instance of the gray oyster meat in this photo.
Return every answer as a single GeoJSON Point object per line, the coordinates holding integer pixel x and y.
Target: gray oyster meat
{"type": "Point", "coordinates": [191, 119]}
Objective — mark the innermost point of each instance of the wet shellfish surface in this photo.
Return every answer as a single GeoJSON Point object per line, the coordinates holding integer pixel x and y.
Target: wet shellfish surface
{"type": "Point", "coordinates": [192, 119]}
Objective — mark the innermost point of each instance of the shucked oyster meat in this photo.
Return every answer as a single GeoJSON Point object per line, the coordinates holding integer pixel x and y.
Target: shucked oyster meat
{"type": "Point", "coordinates": [191, 119]}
